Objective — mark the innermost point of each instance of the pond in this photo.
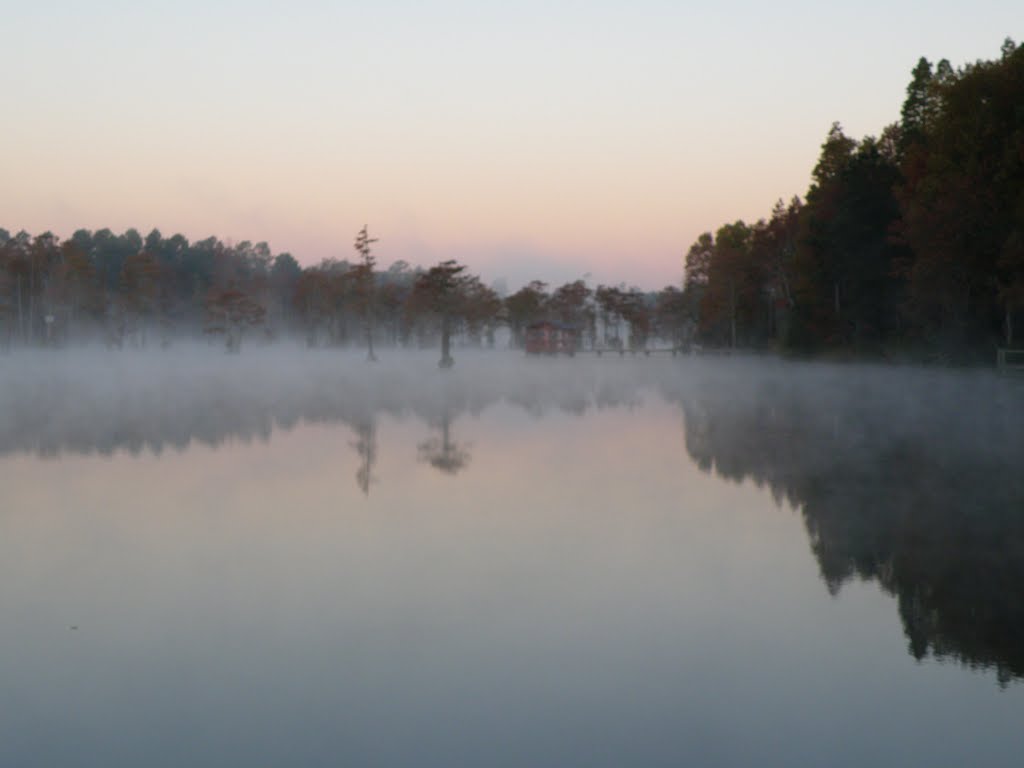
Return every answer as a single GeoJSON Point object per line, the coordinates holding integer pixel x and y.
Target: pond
{"type": "Point", "coordinates": [298, 558]}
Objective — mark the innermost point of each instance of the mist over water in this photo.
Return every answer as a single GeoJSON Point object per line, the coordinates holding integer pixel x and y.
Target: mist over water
{"type": "Point", "coordinates": [83, 400]}
{"type": "Point", "coordinates": [294, 556]}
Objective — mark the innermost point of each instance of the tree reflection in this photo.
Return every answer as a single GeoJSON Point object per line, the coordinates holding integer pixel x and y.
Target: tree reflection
{"type": "Point", "coordinates": [443, 452]}
{"type": "Point", "coordinates": [173, 403]}
{"type": "Point", "coordinates": [918, 490]}
{"type": "Point", "coordinates": [906, 478]}
{"type": "Point", "coordinates": [366, 447]}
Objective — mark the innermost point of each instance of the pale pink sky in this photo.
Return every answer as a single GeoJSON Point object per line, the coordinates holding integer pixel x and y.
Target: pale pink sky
{"type": "Point", "coordinates": [533, 141]}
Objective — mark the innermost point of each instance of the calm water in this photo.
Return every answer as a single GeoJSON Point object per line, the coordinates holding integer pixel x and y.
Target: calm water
{"type": "Point", "coordinates": [288, 559]}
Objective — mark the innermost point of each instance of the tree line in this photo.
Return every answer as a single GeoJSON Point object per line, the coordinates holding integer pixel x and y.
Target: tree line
{"type": "Point", "coordinates": [908, 242]}
{"type": "Point", "coordinates": [126, 289]}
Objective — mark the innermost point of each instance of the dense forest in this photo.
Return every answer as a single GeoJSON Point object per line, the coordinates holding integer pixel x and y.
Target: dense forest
{"type": "Point", "coordinates": [134, 290]}
{"type": "Point", "coordinates": [911, 242]}
{"type": "Point", "coordinates": [906, 244]}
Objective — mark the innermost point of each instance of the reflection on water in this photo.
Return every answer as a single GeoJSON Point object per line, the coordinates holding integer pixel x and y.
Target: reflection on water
{"type": "Point", "coordinates": [109, 403]}
{"type": "Point", "coordinates": [442, 452]}
{"type": "Point", "coordinates": [562, 562]}
{"type": "Point", "coordinates": [366, 447]}
{"type": "Point", "coordinates": [909, 479]}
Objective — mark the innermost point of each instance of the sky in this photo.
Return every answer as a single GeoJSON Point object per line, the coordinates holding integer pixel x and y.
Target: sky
{"type": "Point", "coordinates": [529, 140]}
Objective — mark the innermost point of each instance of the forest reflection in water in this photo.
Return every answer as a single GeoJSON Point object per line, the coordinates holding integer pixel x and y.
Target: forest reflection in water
{"type": "Point", "coordinates": [498, 518]}
{"type": "Point", "coordinates": [906, 477]}
{"type": "Point", "coordinates": [909, 479]}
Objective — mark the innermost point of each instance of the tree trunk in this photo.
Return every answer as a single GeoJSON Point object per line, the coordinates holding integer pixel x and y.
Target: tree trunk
{"type": "Point", "coordinates": [21, 317]}
{"type": "Point", "coordinates": [370, 357]}
{"type": "Point", "coordinates": [31, 304]}
{"type": "Point", "coordinates": [369, 332]}
{"type": "Point", "coordinates": [732, 314]}
{"type": "Point", "coordinates": [446, 358]}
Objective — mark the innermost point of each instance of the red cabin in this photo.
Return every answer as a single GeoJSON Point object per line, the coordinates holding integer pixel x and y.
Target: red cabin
{"type": "Point", "coordinates": [547, 338]}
